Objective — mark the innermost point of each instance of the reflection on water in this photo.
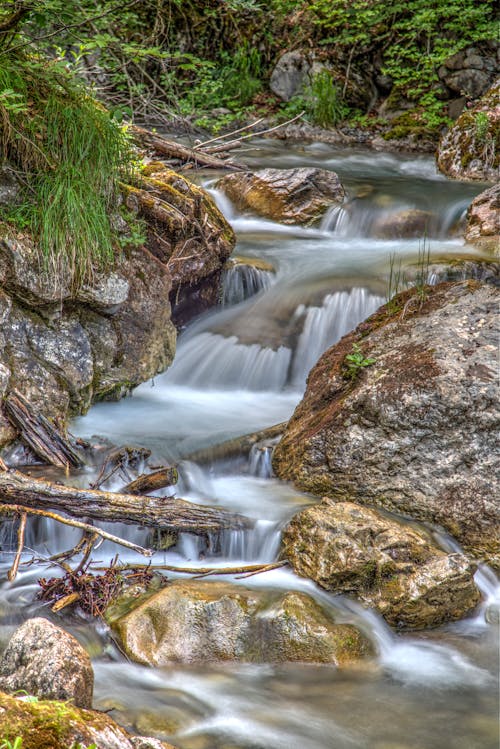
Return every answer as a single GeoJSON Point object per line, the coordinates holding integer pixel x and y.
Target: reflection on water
{"type": "Point", "coordinates": [242, 368]}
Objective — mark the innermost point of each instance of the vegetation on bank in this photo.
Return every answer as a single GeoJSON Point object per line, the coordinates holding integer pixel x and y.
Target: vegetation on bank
{"type": "Point", "coordinates": [187, 58]}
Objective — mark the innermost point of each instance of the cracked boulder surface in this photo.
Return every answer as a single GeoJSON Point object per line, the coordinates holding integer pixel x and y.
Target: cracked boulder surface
{"type": "Point", "coordinates": [415, 432]}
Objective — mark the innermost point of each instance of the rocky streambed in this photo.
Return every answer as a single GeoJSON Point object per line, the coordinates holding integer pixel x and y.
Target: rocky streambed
{"type": "Point", "coordinates": [388, 463]}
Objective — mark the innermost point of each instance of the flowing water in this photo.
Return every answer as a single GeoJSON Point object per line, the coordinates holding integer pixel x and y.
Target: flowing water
{"type": "Point", "coordinates": [241, 368]}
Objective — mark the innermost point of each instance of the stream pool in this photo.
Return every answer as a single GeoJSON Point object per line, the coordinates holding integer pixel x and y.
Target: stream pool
{"type": "Point", "coordinates": [238, 369]}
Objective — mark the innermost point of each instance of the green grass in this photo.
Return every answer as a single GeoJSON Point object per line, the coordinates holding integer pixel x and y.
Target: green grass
{"type": "Point", "coordinates": [69, 154]}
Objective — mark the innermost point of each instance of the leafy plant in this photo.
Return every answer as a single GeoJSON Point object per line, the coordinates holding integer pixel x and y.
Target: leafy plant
{"type": "Point", "coordinates": [355, 362]}
{"type": "Point", "coordinates": [326, 105]}
{"type": "Point", "coordinates": [7, 744]}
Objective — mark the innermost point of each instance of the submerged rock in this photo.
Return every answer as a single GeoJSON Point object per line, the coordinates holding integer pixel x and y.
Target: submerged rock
{"type": "Point", "coordinates": [347, 548]}
{"type": "Point", "coordinates": [415, 431]}
{"type": "Point", "coordinates": [211, 621]}
{"type": "Point", "coordinates": [290, 196]}
{"type": "Point", "coordinates": [60, 725]}
{"type": "Point", "coordinates": [483, 220]}
{"type": "Point", "coordinates": [47, 662]}
{"type": "Point", "coordinates": [470, 150]}
{"type": "Point", "coordinates": [405, 224]}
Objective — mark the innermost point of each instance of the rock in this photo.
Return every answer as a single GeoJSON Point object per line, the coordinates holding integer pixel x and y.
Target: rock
{"type": "Point", "coordinates": [470, 150]}
{"type": "Point", "coordinates": [469, 71]}
{"type": "Point", "coordinates": [211, 621]}
{"type": "Point", "coordinates": [416, 432]}
{"type": "Point", "coordinates": [351, 549]}
{"type": "Point", "coordinates": [60, 725]}
{"type": "Point", "coordinates": [483, 220]}
{"type": "Point", "coordinates": [65, 348]}
{"type": "Point", "coordinates": [290, 74]}
{"type": "Point", "coordinates": [47, 662]}
{"type": "Point", "coordinates": [404, 224]}
{"type": "Point", "coordinates": [186, 232]}
{"type": "Point", "coordinates": [290, 196]}
{"type": "Point", "coordinates": [63, 356]}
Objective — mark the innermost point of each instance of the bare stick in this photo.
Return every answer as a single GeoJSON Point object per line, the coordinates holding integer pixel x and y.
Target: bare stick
{"type": "Point", "coordinates": [247, 570]}
{"type": "Point", "coordinates": [78, 524]}
{"type": "Point", "coordinates": [11, 575]}
{"type": "Point", "coordinates": [227, 135]}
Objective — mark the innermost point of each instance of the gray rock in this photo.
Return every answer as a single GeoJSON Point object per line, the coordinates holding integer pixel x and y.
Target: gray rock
{"type": "Point", "coordinates": [469, 81]}
{"type": "Point", "coordinates": [351, 549]}
{"type": "Point", "coordinates": [418, 431]}
{"type": "Point", "coordinates": [290, 74]}
{"type": "Point", "coordinates": [470, 150]}
{"type": "Point", "coordinates": [407, 223]}
{"type": "Point", "coordinates": [47, 662]}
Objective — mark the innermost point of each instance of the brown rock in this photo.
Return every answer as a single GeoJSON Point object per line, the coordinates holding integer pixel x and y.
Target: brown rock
{"type": "Point", "coordinates": [404, 224]}
{"type": "Point", "coordinates": [46, 661]}
{"type": "Point", "coordinates": [483, 220]}
{"type": "Point", "coordinates": [347, 548]}
{"type": "Point", "coordinates": [290, 196]}
{"type": "Point", "coordinates": [417, 431]}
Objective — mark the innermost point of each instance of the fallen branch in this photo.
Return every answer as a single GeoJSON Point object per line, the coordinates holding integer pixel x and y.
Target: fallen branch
{"type": "Point", "coordinates": [236, 446]}
{"type": "Point", "coordinates": [150, 482]}
{"type": "Point", "coordinates": [39, 434]}
{"type": "Point", "coordinates": [12, 573]}
{"type": "Point", "coordinates": [159, 512]}
{"type": "Point", "coordinates": [17, 509]}
{"type": "Point", "coordinates": [245, 570]}
{"type": "Point", "coordinates": [178, 151]}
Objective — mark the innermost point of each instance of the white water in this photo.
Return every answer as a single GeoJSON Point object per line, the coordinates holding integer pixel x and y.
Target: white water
{"type": "Point", "coordinates": [241, 369]}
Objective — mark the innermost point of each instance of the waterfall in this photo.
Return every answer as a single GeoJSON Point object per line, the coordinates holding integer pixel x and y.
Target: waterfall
{"type": "Point", "coordinates": [325, 325]}
{"type": "Point", "coordinates": [241, 281]}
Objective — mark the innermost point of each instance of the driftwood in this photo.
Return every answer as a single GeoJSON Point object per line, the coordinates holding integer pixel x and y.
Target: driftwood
{"type": "Point", "coordinates": [39, 434]}
{"type": "Point", "coordinates": [150, 482]}
{"type": "Point", "coordinates": [120, 459]}
{"type": "Point", "coordinates": [159, 512]}
{"type": "Point", "coordinates": [236, 446]}
{"type": "Point", "coordinates": [247, 570]}
{"type": "Point", "coordinates": [177, 151]}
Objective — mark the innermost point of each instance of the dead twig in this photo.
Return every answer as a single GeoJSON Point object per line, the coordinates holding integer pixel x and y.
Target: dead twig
{"type": "Point", "coordinates": [12, 573]}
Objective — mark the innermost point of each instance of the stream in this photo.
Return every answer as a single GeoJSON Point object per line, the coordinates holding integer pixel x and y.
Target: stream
{"type": "Point", "coordinates": [240, 368]}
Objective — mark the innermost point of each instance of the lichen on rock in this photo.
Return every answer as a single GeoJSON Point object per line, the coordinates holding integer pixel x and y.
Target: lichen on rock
{"type": "Point", "coordinates": [417, 432]}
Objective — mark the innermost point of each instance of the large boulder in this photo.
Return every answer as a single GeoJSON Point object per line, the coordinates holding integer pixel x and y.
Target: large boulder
{"type": "Point", "coordinates": [416, 430]}
{"type": "Point", "coordinates": [291, 74]}
{"type": "Point", "coordinates": [212, 621]}
{"type": "Point", "coordinates": [470, 150]}
{"type": "Point", "coordinates": [351, 549]}
{"type": "Point", "coordinates": [483, 220]}
{"type": "Point", "coordinates": [47, 662]}
{"type": "Point", "coordinates": [60, 725]}
{"type": "Point", "coordinates": [63, 347]}
{"type": "Point", "coordinates": [290, 196]}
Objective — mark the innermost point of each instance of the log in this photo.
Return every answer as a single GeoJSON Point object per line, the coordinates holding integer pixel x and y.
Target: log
{"type": "Point", "coordinates": [159, 512]}
{"type": "Point", "coordinates": [37, 432]}
{"type": "Point", "coordinates": [178, 151]}
{"type": "Point", "coordinates": [150, 482]}
{"type": "Point", "coordinates": [236, 446]}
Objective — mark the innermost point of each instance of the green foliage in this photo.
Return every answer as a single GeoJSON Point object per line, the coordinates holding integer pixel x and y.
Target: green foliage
{"type": "Point", "coordinates": [355, 362]}
{"type": "Point", "coordinates": [17, 743]}
{"type": "Point", "coordinates": [70, 155]}
{"type": "Point", "coordinates": [327, 107]}
{"type": "Point", "coordinates": [481, 126]}
{"type": "Point", "coordinates": [414, 36]}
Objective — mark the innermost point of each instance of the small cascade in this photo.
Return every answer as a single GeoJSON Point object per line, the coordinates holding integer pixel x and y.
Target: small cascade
{"type": "Point", "coordinates": [325, 325]}
{"type": "Point", "coordinates": [212, 361]}
{"type": "Point", "coordinates": [241, 281]}
{"type": "Point", "coordinates": [335, 221]}
{"type": "Point", "coordinates": [258, 545]}
{"type": "Point", "coordinates": [259, 460]}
